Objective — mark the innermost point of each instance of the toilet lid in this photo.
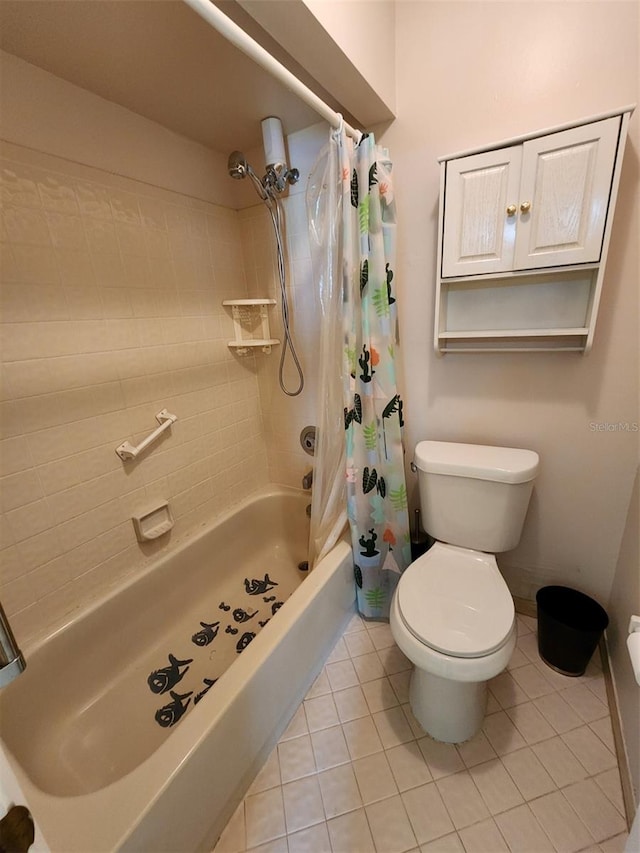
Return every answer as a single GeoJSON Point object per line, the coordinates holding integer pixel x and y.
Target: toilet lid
{"type": "Point", "coordinates": [456, 601]}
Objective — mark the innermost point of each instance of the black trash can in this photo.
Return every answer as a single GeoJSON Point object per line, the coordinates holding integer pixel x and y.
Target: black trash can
{"type": "Point", "coordinates": [570, 625]}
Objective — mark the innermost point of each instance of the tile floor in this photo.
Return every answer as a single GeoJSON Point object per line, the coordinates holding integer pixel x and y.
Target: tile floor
{"type": "Point", "coordinates": [354, 772]}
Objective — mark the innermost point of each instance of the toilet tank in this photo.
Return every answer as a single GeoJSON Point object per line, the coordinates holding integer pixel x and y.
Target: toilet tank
{"type": "Point", "coordinates": [474, 495]}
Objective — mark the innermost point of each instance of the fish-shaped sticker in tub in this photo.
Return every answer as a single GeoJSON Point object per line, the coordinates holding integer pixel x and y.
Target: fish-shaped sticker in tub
{"type": "Point", "coordinates": [241, 615]}
{"type": "Point", "coordinates": [161, 680]}
{"type": "Point", "coordinates": [244, 641]}
{"type": "Point", "coordinates": [276, 606]}
{"type": "Point", "coordinates": [207, 635]}
{"type": "Point", "coordinates": [170, 714]}
{"type": "Point", "coordinates": [209, 682]}
{"type": "Point", "coordinates": [257, 587]}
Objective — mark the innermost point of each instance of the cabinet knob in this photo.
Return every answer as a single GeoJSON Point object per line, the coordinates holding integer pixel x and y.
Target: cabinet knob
{"type": "Point", "coordinates": [511, 210]}
{"type": "Point", "coordinates": [525, 207]}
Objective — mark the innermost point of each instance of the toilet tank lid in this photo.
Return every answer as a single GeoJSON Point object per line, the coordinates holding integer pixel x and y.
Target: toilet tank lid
{"type": "Point", "coordinates": [479, 461]}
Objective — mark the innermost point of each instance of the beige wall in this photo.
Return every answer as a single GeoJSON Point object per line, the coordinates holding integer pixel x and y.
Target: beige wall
{"type": "Point", "coordinates": [473, 73]}
{"type": "Point", "coordinates": [110, 301]}
{"type": "Point", "coordinates": [111, 310]}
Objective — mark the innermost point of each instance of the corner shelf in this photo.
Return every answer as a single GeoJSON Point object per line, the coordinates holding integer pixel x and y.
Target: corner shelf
{"type": "Point", "coordinates": [247, 315]}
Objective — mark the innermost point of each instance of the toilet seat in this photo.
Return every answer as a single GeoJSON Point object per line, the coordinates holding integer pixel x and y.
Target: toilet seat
{"type": "Point", "coordinates": [455, 601]}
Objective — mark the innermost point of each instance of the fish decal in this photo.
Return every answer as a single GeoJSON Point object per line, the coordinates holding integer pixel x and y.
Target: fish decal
{"type": "Point", "coordinates": [268, 598]}
{"type": "Point", "coordinates": [207, 635]}
{"type": "Point", "coordinates": [161, 680]}
{"type": "Point", "coordinates": [256, 587]}
{"type": "Point", "coordinates": [230, 630]}
{"type": "Point", "coordinates": [241, 615]}
{"type": "Point", "coordinates": [170, 714]}
{"type": "Point", "coordinates": [209, 682]}
{"type": "Point", "coordinates": [223, 606]}
{"type": "Point", "coordinates": [262, 624]}
{"type": "Point", "coordinates": [244, 641]}
{"type": "Point", "coordinates": [275, 607]}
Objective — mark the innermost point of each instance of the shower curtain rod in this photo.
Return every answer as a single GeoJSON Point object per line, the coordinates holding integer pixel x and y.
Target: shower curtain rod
{"type": "Point", "coordinates": [237, 36]}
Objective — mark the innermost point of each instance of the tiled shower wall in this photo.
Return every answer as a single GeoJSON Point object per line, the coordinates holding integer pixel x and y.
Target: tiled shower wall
{"type": "Point", "coordinates": [111, 310]}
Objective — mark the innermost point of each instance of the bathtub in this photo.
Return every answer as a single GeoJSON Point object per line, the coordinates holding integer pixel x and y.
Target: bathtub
{"type": "Point", "coordinates": [127, 731]}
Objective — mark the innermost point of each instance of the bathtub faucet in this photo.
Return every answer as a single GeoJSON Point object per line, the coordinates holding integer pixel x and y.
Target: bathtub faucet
{"type": "Point", "coordinates": [307, 480]}
{"type": "Point", "coordinates": [12, 662]}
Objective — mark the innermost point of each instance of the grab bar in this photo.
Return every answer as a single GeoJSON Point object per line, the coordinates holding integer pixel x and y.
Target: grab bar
{"type": "Point", "coordinates": [128, 451]}
{"type": "Point", "coordinates": [12, 663]}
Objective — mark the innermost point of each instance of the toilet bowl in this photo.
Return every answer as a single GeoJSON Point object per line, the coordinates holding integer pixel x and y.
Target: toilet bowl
{"type": "Point", "coordinates": [452, 613]}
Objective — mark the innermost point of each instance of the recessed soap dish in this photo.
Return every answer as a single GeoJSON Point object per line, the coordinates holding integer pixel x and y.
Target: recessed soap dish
{"type": "Point", "coordinates": [153, 522]}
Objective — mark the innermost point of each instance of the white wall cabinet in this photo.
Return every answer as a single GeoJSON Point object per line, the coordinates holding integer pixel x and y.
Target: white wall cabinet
{"type": "Point", "coordinates": [524, 231]}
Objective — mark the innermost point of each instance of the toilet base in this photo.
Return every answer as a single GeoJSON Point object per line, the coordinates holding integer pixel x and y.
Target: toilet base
{"type": "Point", "coordinates": [449, 711]}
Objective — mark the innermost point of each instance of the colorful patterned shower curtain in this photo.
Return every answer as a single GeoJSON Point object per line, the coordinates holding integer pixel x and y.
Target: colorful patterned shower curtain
{"type": "Point", "coordinates": [376, 489]}
{"type": "Point", "coordinates": [352, 231]}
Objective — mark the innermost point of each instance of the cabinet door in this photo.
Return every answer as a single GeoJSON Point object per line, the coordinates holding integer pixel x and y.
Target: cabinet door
{"type": "Point", "coordinates": [479, 234]}
{"type": "Point", "coordinates": [566, 180]}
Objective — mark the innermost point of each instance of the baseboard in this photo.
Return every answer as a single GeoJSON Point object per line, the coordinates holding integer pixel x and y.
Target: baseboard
{"type": "Point", "coordinates": [525, 606]}
{"type": "Point", "coordinates": [618, 737]}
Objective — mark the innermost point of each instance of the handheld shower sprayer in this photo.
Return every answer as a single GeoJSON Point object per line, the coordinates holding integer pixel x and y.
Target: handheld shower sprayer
{"type": "Point", "coordinates": [274, 182]}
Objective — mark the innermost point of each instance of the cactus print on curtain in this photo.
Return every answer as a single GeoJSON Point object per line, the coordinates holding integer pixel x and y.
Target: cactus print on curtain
{"type": "Point", "coordinates": [376, 489]}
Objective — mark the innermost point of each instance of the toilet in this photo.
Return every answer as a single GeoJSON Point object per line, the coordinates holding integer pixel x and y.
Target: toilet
{"type": "Point", "coordinates": [452, 613]}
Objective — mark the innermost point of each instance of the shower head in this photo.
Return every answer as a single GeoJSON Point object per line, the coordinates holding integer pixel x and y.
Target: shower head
{"type": "Point", "coordinates": [237, 165]}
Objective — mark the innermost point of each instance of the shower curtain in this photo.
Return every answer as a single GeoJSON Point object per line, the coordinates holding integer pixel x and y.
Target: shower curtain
{"type": "Point", "coordinates": [352, 222]}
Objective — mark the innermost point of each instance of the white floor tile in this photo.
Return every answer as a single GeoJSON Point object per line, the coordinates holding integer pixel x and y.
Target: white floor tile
{"type": "Point", "coordinates": [362, 737]}
{"type": "Point", "coordinates": [315, 839]}
{"type": "Point", "coordinates": [408, 766]}
{"type": "Point", "coordinates": [393, 727]}
{"type": "Point", "coordinates": [264, 817]}
{"type": "Point", "coordinates": [390, 826]}
{"type": "Point", "coordinates": [609, 784]}
{"type": "Point", "coordinates": [359, 644]}
{"type": "Point", "coordinates": [502, 734]}
{"type": "Point", "coordinates": [585, 703]}
{"type": "Point", "coordinates": [427, 813]}
{"type": "Point", "coordinates": [528, 773]}
{"type": "Point", "coordinates": [269, 775]}
{"type": "Point", "coordinates": [559, 821]}
{"type": "Point", "coordinates": [351, 832]}
{"type": "Point", "coordinates": [507, 692]}
{"type": "Point", "coordinates": [484, 837]}
{"type": "Point", "coordinates": [341, 675]}
{"type": "Point", "coordinates": [296, 758]}
{"type": "Point", "coordinates": [442, 758]}
{"type": "Point", "coordinates": [379, 694]}
{"type": "Point", "coordinates": [589, 750]}
{"type": "Point", "coordinates": [351, 704]}
{"type": "Point", "coordinates": [368, 667]}
{"type": "Point", "coordinates": [600, 817]}
{"type": "Point", "coordinates": [604, 731]}
{"type": "Point", "coordinates": [476, 751]}
{"type": "Point", "coordinates": [496, 787]}
{"type": "Point", "coordinates": [321, 713]}
{"type": "Point", "coordinates": [557, 712]}
{"type": "Point", "coordinates": [447, 844]}
{"type": "Point", "coordinates": [302, 803]}
{"type": "Point", "coordinates": [375, 779]}
{"type": "Point", "coordinates": [532, 681]}
{"type": "Point", "coordinates": [329, 748]}
{"type": "Point", "coordinates": [559, 762]}
{"type": "Point", "coordinates": [339, 790]}
{"type": "Point", "coordinates": [522, 832]}
{"type": "Point", "coordinates": [462, 799]}
{"type": "Point", "coordinates": [354, 771]}
{"type": "Point", "coordinates": [530, 723]}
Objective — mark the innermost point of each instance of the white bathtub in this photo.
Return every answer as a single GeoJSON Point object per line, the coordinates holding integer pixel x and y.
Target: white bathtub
{"type": "Point", "coordinates": [104, 765]}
